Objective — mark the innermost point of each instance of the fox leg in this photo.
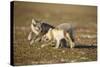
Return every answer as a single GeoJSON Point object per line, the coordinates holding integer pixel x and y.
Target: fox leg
{"type": "Point", "coordinates": [71, 43]}
{"type": "Point", "coordinates": [33, 39]}
{"type": "Point", "coordinates": [30, 36]}
{"type": "Point", "coordinates": [57, 43]}
{"type": "Point", "coordinates": [48, 43]}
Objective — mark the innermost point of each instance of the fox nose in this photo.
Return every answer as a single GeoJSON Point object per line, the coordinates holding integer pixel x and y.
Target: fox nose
{"type": "Point", "coordinates": [47, 39]}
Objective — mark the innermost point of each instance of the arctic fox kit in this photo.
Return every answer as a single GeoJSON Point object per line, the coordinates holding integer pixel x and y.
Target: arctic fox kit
{"type": "Point", "coordinates": [56, 35]}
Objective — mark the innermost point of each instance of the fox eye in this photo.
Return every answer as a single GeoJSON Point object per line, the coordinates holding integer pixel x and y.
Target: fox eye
{"type": "Point", "coordinates": [34, 25]}
{"type": "Point", "coordinates": [47, 39]}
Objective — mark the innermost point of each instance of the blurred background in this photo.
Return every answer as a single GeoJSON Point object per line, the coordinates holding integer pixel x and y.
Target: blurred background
{"type": "Point", "coordinates": [84, 18]}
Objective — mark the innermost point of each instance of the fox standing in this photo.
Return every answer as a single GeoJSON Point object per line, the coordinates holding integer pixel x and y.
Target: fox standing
{"type": "Point", "coordinates": [58, 34]}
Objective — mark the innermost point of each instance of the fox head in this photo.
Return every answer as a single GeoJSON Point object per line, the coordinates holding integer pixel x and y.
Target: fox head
{"type": "Point", "coordinates": [48, 35]}
{"type": "Point", "coordinates": [36, 26]}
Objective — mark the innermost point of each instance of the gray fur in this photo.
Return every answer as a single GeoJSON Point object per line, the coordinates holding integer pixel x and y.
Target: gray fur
{"type": "Point", "coordinates": [68, 27]}
{"type": "Point", "coordinates": [44, 27]}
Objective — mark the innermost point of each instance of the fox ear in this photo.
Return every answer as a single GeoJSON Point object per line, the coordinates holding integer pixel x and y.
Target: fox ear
{"type": "Point", "coordinates": [50, 29]}
{"type": "Point", "coordinates": [33, 21]}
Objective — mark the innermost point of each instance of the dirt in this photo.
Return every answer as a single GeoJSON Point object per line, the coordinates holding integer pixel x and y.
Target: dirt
{"type": "Point", "coordinates": [84, 19]}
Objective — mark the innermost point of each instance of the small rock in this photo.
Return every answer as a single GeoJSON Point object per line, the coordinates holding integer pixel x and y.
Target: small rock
{"type": "Point", "coordinates": [63, 51]}
{"type": "Point", "coordinates": [62, 60]}
{"type": "Point", "coordinates": [82, 52]}
{"type": "Point", "coordinates": [73, 61]}
{"type": "Point", "coordinates": [42, 46]}
{"type": "Point", "coordinates": [83, 58]}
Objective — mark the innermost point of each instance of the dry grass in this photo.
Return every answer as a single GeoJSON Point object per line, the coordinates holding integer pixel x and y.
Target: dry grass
{"type": "Point", "coordinates": [83, 17]}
